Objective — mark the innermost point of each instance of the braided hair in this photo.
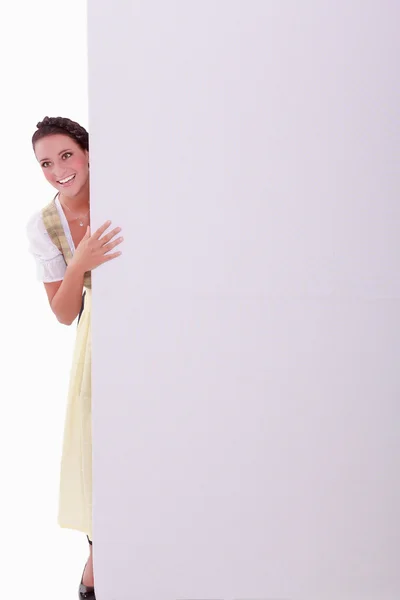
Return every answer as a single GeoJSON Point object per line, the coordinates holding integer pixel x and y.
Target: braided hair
{"type": "Point", "coordinates": [57, 125]}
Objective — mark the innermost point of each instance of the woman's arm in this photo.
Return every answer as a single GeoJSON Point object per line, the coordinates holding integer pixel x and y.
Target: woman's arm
{"type": "Point", "coordinates": [65, 296]}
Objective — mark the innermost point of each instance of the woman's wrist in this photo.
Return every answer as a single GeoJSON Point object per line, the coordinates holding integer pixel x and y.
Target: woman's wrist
{"type": "Point", "coordinates": [75, 268]}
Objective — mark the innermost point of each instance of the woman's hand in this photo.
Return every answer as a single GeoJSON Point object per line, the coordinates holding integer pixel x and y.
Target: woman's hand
{"type": "Point", "coordinates": [93, 250]}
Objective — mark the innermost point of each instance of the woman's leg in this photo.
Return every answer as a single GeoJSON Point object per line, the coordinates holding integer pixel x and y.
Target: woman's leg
{"type": "Point", "coordinates": [88, 576]}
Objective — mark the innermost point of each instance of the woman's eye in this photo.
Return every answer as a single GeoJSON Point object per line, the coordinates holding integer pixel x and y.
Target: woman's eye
{"type": "Point", "coordinates": [67, 155]}
{"type": "Point", "coordinates": [45, 165]}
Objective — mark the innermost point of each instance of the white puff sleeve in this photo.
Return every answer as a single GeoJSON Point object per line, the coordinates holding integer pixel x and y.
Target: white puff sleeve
{"type": "Point", "coordinates": [50, 263]}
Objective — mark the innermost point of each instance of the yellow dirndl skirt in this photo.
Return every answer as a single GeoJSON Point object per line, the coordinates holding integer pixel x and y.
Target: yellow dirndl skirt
{"type": "Point", "coordinates": [75, 499]}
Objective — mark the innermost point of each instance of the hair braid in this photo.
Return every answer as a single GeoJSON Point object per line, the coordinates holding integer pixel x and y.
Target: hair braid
{"type": "Point", "coordinates": [54, 125]}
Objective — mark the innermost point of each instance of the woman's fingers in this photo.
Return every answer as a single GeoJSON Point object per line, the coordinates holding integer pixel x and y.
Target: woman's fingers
{"type": "Point", "coordinates": [105, 243]}
{"type": "Point", "coordinates": [101, 230]}
{"type": "Point", "coordinates": [110, 236]}
{"type": "Point", "coordinates": [106, 258]}
{"type": "Point", "coordinates": [111, 245]}
{"type": "Point", "coordinates": [111, 256]}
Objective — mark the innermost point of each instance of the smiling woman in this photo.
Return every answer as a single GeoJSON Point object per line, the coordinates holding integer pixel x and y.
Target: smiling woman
{"type": "Point", "coordinates": [65, 255]}
{"type": "Point", "coordinates": [62, 149]}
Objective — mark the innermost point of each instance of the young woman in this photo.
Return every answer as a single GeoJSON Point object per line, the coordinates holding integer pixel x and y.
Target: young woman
{"type": "Point", "coordinates": [66, 252]}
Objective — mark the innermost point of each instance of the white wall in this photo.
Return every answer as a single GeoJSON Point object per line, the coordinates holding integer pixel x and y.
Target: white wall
{"type": "Point", "coordinates": [246, 351]}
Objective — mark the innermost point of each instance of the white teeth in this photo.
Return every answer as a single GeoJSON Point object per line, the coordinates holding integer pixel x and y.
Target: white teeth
{"type": "Point", "coordinates": [66, 179]}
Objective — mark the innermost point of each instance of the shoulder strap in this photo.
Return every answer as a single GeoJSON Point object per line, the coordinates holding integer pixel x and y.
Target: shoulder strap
{"type": "Point", "coordinates": [52, 222]}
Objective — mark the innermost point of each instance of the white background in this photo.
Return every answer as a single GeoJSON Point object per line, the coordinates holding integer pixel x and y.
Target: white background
{"type": "Point", "coordinates": [43, 64]}
{"type": "Point", "coordinates": [246, 345]}
{"type": "Point", "coordinates": [43, 59]}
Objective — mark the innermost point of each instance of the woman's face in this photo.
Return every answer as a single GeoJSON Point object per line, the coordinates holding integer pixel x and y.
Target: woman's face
{"type": "Point", "coordinates": [64, 164]}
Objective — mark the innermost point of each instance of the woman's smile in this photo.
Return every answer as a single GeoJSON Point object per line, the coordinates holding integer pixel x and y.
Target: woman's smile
{"type": "Point", "coordinates": [67, 181]}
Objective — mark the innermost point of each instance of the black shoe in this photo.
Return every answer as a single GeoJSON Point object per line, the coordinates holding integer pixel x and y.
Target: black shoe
{"type": "Point", "coordinates": [86, 592]}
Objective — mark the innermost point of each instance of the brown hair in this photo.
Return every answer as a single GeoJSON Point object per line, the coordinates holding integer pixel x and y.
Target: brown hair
{"type": "Point", "coordinates": [54, 125]}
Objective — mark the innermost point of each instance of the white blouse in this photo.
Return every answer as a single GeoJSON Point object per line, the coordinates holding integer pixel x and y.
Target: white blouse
{"type": "Point", "coordinates": [50, 263]}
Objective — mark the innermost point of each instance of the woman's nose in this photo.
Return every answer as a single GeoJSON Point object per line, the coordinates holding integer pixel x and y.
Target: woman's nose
{"type": "Point", "coordinates": [58, 173]}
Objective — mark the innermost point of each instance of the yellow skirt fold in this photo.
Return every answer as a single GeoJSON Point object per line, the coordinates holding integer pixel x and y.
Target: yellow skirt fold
{"type": "Point", "coordinates": [75, 499]}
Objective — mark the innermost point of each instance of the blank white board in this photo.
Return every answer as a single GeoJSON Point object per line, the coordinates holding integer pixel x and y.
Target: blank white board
{"type": "Point", "coordinates": [246, 345]}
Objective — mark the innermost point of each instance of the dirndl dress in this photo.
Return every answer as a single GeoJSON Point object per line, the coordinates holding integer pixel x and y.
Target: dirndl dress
{"type": "Point", "coordinates": [75, 497]}
{"type": "Point", "coordinates": [75, 490]}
